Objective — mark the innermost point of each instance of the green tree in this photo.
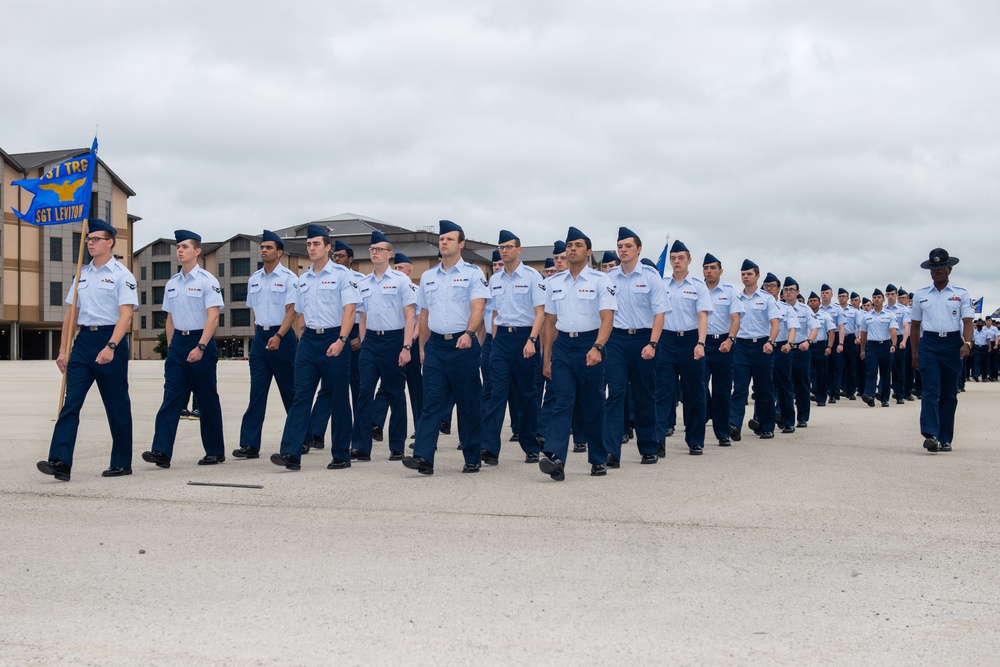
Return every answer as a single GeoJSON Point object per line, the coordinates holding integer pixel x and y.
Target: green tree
{"type": "Point", "coordinates": [161, 345]}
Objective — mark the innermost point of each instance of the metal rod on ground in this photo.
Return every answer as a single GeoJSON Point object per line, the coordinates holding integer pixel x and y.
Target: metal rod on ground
{"type": "Point", "coordinates": [235, 486]}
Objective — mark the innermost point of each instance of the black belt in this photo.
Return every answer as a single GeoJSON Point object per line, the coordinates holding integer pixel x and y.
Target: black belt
{"type": "Point", "coordinates": [633, 332]}
{"type": "Point", "coordinates": [188, 332]}
{"type": "Point", "coordinates": [880, 342]}
{"type": "Point", "coordinates": [577, 334]}
{"type": "Point", "coordinates": [97, 327]}
{"type": "Point", "coordinates": [384, 332]}
{"type": "Point", "coordinates": [323, 332]}
{"type": "Point", "coordinates": [943, 334]}
{"type": "Point", "coordinates": [513, 329]}
{"type": "Point", "coordinates": [759, 339]}
{"type": "Point", "coordinates": [691, 332]}
{"type": "Point", "coordinates": [268, 328]}
{"type": "Point", "coordinates": [450, 336]}
{"type": "Point", "coordinates": [718, 336]}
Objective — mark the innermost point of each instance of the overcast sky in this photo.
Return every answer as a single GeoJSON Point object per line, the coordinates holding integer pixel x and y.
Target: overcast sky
{"type": "Point", "coordinates": [834, 142]}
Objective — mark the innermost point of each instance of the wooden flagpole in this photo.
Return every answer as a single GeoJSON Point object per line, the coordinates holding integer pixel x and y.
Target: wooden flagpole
{"type": "Point", "coordinates": [72, 314]}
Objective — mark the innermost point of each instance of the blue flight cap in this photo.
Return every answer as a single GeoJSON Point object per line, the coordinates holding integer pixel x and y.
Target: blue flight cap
{"type": "Point", "coordinates": [789, 282]}
{"type": "Point", "coordinates": [865, 300]}
{"type": "Point", "coordinates": [890, 288]}
{"type": "Point", "coordinates": [446, 226]}
{"type": "Point", "coordinates": [648, 262]}
{"type": "Point", "coordinates": [678, 246]}
{"type": "Point", "coordinates": [341, 246]}
{"type": "Point", "coordinates": [575, 234]}
{"type": "Point", "coordinates": [825, 288]}
{"type": "Point", "coordinates": [877, 292]}
{"type": "Point", "coordinates": [550, 263]}
{"type": "Point", "coordinates": [185, 235]}
{"type": "Point", "coordinates": [506, 236]}
{"type": "Point", "coordinates": [496, 256]}
{"type": "Point", "coordinates": [316, 230]}
{"type": "Point", "coordinates": [771, 278]}
{"type": "Point", "coordinates": [813, 295]}
{"type": "Point", "coordinates": [901, 290]}
{"type": "Point", "coordinates": [855, 295]}
{"type": "Point", "coordinates": [268, 235]}
{"type": "Point", "coordinates": [711, 259]}
{"type": "Point", "coordinates": [400, 258]}
{"type": "Point", "coordinates": [749, 266]}
{"type": "Point", "coordinates": [559, 247]}
{"type": "Point", "coordinates": [379, 237]}
{"type": "Point", "coordinates": [95, 225]}
{"type": "Point", "coordinates": [626, 233]}
{"type": "Point", "coordinates": [609, 257]}
{"type": "Point", "coordinates": [841, 291]}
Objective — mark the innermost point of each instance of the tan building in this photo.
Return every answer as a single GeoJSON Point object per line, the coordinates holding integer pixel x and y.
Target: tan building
{"type": "Point", "coordinates": [234, 260]}
{"type": "Point", "coordinates": [39, 263]}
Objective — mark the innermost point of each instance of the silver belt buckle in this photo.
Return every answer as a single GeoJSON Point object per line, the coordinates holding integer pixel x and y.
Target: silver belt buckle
{"type": "Point", "coordinates": [92, 328]}
{"type": "Point", "coordinates": [448, 336]}
{"type": "Point", "coordinates": [320, 331]}
{"type": "Point", "coordinates": [942, 334]}
{"type": "Point", "coordinates": [380, 333]}
{"type": "Point", "coordinates": [265, 328]}
{"type": "Point", "coordinates": [186, 332]}
{"type": "Point", "coordinates": [631, 332]}
{"type": "Point", "coordinates": [573, 334]}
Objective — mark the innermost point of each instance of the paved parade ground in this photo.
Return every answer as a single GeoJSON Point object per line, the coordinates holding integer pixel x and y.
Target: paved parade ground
{"type": "Point", "coordinates": [844, 543]}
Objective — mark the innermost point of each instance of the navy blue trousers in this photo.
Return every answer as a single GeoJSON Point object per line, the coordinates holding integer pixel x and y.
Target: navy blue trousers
{"type": "Point", "coordinates": [380, 361]}
{"type": "Point", "coordinates": [675, 357]}
{"type": "Point", "coordinates": [898, 372]}
{"type": "Point", "coordinates": [878, 362]}
{"type": "Point", "coordinates": [573, 381]}
{"type": "Point", "coordinates": [751, 362]}
{"type": "Point", "coordinates": [719, 384]}
{"type": "Point", "coordinates": [414, 387]}
{"type": "Point", "coordinates": [199, 378]}
{"type": "Point", "coordinates": [939, 368]}
{"type": "Point", "coordinates": [850, 374]}
{"type": "Point", "coordinates": [626, 368]}
{"type": "Point", "coordinates": [112, 381]}
{"type": "Point", "coordinates": [784, 391]}
{"type": "Point", "coordinates": [319, 417]}
{"type": "Point", "coordinates": [511, 373]}
{"type": "Point", "coordinates": [801, 362]}
{"type": "Point", "coordinates": [451, 377]}
{"type": "Point", "coordinates": [313, 367]}
{"type": "Point", "coordinates": [821, 370]}
{"type": "Point", "coordinates": [266, 365]}
{"type": "Point", "coordinates": [545, 414]}
{"type": "Point", "coordinates": [835, 369]}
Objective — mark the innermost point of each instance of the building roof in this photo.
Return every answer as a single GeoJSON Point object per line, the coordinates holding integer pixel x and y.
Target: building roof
{"type": "Point", "coordinates": [11, 161]}
{"type": "Point", "coordinates": [344, 224]}
{"type": "Point", "coordinates": [31, 161]}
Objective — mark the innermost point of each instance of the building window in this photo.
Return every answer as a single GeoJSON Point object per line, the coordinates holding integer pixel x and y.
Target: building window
{"type": "Point", "coordinates": [240, 267]}
{"type": "Point", "coordinates": [222, 320]}
{"type": "Point", "coordinates": [239, 245]}
{"type": "Point", "coordinates": [55, 249]}
{"type": "Point", "coordinates": [142, 321]}
{"type": "Point", "coordinates": [160, 320]}
{"type": "Point", "coordinates": [76, 249]}
{"type": "Point", "coordinates": [239, 292]}
{"type": "Point", "coordinates": [142, 298]}
{"type": "Point", "coordinates": [161, 270]}
{"type": "Point", "coordinates": [222, 270]}
{"type": "Point", "coordinates": [142, 273]}
{"type": "Point", "coordinates": [260, 265]}
{"type": "Point", "coordinates": [107, 212]}
{"type": "Point", "coordinates": [161, 248]}
{"type": "Point", "coordinates": [55, 294]}
{"type": "Point", "coordinates": [157, 295]}
{"type": "Point", "coordinates": [241, 317]}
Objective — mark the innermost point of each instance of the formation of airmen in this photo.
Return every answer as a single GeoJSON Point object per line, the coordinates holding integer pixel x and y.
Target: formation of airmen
{"type": "Point", "coordinates": [601, 357]}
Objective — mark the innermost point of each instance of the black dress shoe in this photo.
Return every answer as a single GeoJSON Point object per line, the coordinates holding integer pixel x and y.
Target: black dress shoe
{"type": "Point", "coordinates": [376, 433]}
{"type": "Point", "coordinates": [552, 467]}
{"type": "Point", "coordinates": [766, 435]}
{"type": "Point", "coordinates": [246, 453]}
{"type": "Point", "coordinates": [471, 467]}
{"type": "Point", "coordinates": [116, 471]}
{"type": "Point", "coordinates": [885, 404]}
{"type": "Point", "coordinates": [625, 438]}
{"type": "Point", "coordinates": [788, 429]}
{"type": "Point", "coordinates": [868, 399]}
{"type": "Point", "coordinates": [579, 447]}
{"type": "Point", "coordinates": [662, 450]}
{"type": "Point", "coordinates": [598, 470]}
{"type": "Point", "coordinates": [212, 459]}
{"type": "Point", "coordinates": [900, 401]}
{"type": "Point", "coordinates": [540, 439]}
{"type": "Point", "coordinates": [514, 437]}
{"type": "Point", "coordinates": [287, 460]}
{"type": "Point", "coordinates": [339, 464]}
{"type": "Point", "coordinates": [695, 451]}
{"type": "Point", "coordinates": [944, 447]}
{"type": "Point", "coordinates": [488, 457]}
{"type": "Point", "coordinates": [801, 424]}
{"type": "Point", "coordinates": [531, 458]}
{"type": "Point", "coordinates": [418, 463]}
{"type": "Point", "coordinates": [57, 468]}
{"type": "Point", "coordinates": [316, 442]}
{"type": "Point", "coordinates": [395, 456]}
{"type": "Point", "coordinates": [754, 426]}
{"type": "Point", "coordinates": [649, 459]}
{"type": "Point", "coordinates": [670, 432]}
{"type": "Point", "coordinates": [931, 444]}
{"type": "Point", "coordinates": [820, 404]}
{"type": "Point", "coordinates": [910, 398]}
{"type": "Point", "coordinates": [358, 455]}
{"type": "Point", "coordinates": [159, 458]}
{"type": "Point", "coordinates": [305, 448]}
{"type": "Point", "coordinates": [878, 396]}
{"type": "Point", "coordinates": [852, 397]}
{"type": "Point", "coordinates": [734, 433]}
{"type": "Point", "coordinates": [445, 428]}
{"type": "Point", "coordinates": [724, 442]}
{"type": "Point", "coordinates": [614, 462]}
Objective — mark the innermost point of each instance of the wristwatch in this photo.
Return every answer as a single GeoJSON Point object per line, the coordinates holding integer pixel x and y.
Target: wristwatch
{"type": "Point", "coordinates": [201, 346]}
{"type": "Point", "coordinates": [533, 339]}
{"type": "Point", "coordinates": [472, 334]}
{"type": "Point", "coordinates": [407, 347]}
{"type": "Point", "coordinates": [771, 343]}
{"type": "Point", "coordinates": [654, 344]}
{"type": "Point", "coordinates": [599, 347]}
{"type": "Point", "coordinates": [701, 342]}
{"type": "Point", "coordinates": [732, 339]}
{"type": "Point", "coordinates": [342, 339]}
{"type": "Point", "coordinates": [112, 345]}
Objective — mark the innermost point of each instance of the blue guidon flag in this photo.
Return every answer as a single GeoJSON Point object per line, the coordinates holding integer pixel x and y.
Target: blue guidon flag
{"type": "Point", "coordinates": [63, 193]}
